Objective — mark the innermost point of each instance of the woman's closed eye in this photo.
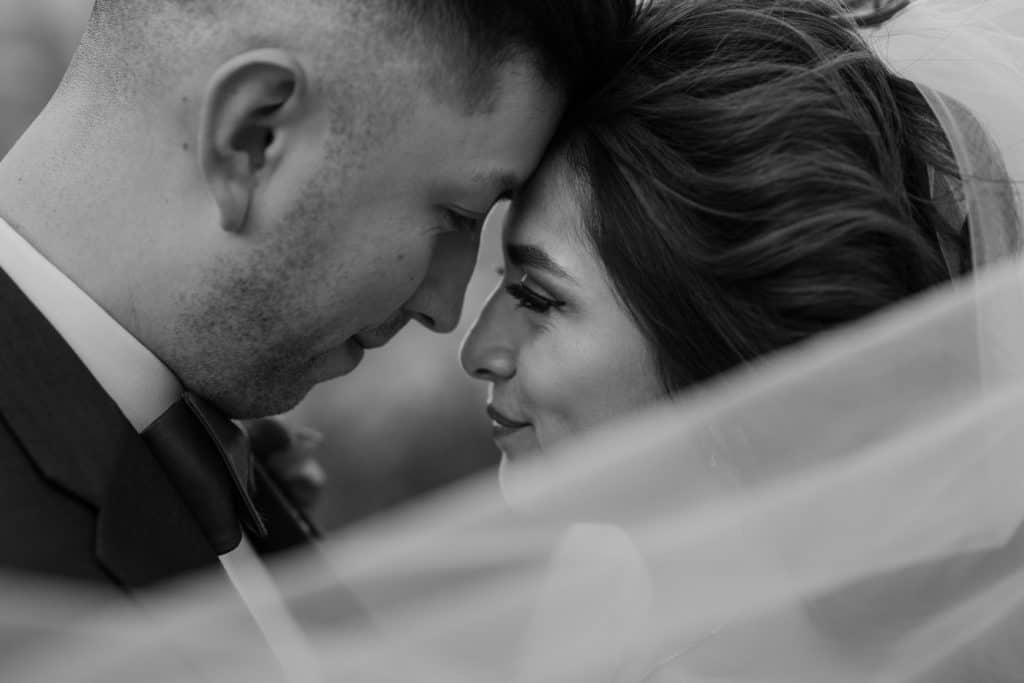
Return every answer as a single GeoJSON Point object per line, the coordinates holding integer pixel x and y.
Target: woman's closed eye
{"type": "Point", "coordinates": [530, 299]}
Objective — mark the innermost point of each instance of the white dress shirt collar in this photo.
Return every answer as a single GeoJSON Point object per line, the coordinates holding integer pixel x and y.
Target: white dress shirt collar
{"type": "Point", "coordinates": [141, 385]}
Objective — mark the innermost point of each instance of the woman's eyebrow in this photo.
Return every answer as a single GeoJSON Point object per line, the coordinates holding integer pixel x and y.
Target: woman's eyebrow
{"type": "Point", "coordinates": [528, 255]}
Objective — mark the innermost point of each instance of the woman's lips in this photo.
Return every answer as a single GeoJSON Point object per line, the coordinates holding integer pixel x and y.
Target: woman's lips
{"type": "Point", "coordinates": [503, 425]}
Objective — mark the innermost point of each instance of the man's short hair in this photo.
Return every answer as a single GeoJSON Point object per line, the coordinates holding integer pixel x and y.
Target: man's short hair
{"type": "Point", "coordinates": [462, 42]}
{"type": "Point", "coordinates": [567, 40]}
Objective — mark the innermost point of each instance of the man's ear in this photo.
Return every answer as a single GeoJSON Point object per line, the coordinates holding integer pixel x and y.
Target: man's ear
{"type": "Point", "coordinates": [250, 108]}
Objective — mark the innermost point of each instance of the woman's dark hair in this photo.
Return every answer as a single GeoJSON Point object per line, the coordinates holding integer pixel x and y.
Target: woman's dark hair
{"type": "Point", "coordinates": [754, 175]}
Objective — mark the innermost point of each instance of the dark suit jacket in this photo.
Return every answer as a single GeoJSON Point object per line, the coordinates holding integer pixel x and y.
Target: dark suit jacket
{"type": "Point", "coordinates": [81, 496]}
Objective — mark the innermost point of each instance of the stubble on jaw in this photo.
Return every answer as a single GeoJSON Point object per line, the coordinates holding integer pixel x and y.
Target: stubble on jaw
{"type": "Point", "coordinates": [251, 333]}
{"type": "Point", "coordinates": [243, 338]}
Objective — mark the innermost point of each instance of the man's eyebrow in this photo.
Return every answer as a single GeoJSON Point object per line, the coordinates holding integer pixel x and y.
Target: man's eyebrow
{"type": "Point", "coordinates": [500, 184]}
{"type": "Point", "coordinates": [529, 256]}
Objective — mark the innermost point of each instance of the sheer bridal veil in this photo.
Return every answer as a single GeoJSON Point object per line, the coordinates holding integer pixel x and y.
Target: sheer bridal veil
{"type": "Point", "coordinates": [849, 510]}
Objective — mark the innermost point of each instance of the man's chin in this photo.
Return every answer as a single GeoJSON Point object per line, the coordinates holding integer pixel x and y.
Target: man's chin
{"type": "Point", "coordinates": [260, 399]}
{"type": "Point", "coordinates": [259, 390]}
{"type": "Point", "coordinates": [286, 393]}
{"type": "Point", "coordinates": [250, 409]}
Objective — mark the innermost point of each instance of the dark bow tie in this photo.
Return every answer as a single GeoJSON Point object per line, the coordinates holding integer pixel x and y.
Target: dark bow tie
{"type": "Point", "coordinates": [209, 460]}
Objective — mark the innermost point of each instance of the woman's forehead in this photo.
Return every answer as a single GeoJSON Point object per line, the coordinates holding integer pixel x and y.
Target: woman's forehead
{"type": "Point", "coordinates": [549, 216]}
{"type": "Point", "coordinates": [548, 208]}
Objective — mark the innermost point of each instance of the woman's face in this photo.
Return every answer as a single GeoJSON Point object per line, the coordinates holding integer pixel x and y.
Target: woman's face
{"type": "Point", "coordinates": [560, 352]}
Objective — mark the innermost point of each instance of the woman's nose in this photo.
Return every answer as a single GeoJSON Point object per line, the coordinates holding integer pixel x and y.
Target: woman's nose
{"type": "Point", "coordinates": [488, 351]}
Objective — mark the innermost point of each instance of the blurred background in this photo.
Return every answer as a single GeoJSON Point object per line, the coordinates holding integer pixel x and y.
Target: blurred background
{"type": "Point", "coordinates": [407, 420]}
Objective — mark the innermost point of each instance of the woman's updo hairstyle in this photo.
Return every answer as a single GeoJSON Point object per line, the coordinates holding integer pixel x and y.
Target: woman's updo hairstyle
{"type": "Point", "coordinates": [754, 175]}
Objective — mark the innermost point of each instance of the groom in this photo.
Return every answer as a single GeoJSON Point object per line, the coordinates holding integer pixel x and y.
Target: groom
{"type": "Point", "coordinates": [225, 203]}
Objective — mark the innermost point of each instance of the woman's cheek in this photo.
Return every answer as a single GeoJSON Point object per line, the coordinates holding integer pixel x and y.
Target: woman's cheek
{"type": "Point", "coordinates": [563, 388]}
{"type": "Point", "coordinates": [548, 383]}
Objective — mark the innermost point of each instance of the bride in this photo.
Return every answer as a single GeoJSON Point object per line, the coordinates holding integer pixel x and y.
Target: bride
{"type": "Point", "coordinates": [754, 176]}
{"type": "Point", "coordinates": [756, 374]}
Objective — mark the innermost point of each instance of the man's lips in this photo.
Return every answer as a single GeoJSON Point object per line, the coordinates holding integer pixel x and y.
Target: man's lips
{"type": "Point", "coordinates": [502, 420]}
{"type": "Point", "coordinates": [369, 342]}
{"type": "Point", "coordinates": [338, 361]}
{"type": "Point", "coordinates": [375, 337]}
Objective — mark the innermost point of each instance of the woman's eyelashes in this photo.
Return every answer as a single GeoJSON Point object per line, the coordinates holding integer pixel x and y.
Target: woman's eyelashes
{"type": "Point", "coordinates": [530, 299]}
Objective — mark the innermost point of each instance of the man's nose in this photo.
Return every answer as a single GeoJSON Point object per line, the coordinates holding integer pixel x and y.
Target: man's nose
{"type": "Point", "coordinates": [488, 351]}
{"type": "Point", "coordinates": [437, 304]}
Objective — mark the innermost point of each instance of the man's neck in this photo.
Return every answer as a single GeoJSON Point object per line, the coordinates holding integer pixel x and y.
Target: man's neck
{"type": "Point", "coordinates": [62, 190]}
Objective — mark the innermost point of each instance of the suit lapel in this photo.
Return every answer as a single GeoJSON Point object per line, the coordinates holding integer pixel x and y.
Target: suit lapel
{"type": "Point", "coordinates": [60, 414]}
{"type": "Point", "coordinates": [145, 533]}
{"type": "Point", "coordinates": [83, 445]}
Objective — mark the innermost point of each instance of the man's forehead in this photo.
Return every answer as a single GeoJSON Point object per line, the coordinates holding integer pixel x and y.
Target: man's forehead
{"type": "Point", "coordinates": [488, 155]}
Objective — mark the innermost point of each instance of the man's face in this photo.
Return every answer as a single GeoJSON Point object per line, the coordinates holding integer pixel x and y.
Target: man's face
{"type": "Point", "coordinates": [385, 229]}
